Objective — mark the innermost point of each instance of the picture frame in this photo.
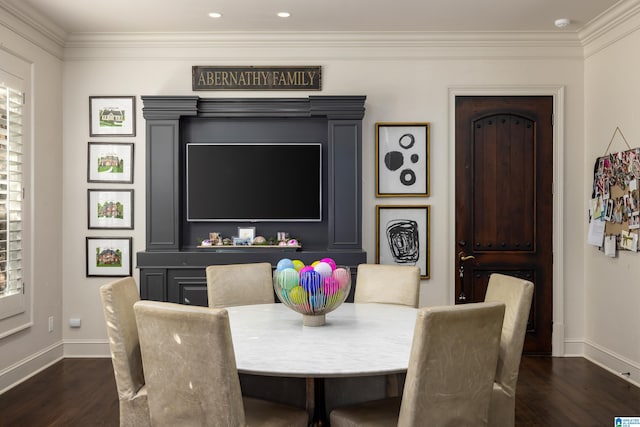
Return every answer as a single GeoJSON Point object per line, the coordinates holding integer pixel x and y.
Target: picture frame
{"type": "Point", "coordinates": [403, 233]}
{"type": "Point", "coordinates": [402, 159]}
{"type": "Point", "coordinates": [108, 257]}
{"type": "Point", "coordinates": [112, 116]}
{"type": "Point", "coordinates": [247, 234]}
{"type": "Point", "coordinates": [110, 162]}
{"type": "Point", "coordinates": [110, 209]}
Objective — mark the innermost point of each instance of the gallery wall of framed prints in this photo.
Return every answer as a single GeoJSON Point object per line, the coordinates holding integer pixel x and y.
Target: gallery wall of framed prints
{"type": "Point", "coordinates": [402, 170]}
{"type": "Point", "coordinates": [110, 207]}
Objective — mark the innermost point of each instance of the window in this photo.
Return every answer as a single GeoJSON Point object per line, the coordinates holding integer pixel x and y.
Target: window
{"type": "Point", "coordinates": [11, 101]}
{"type": "Point", "coordinates": [14, 311]}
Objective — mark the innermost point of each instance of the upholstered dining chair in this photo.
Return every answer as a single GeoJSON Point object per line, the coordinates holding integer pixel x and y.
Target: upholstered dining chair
{"type": "Point", "coordinates": [118, 298]}
{"type": "Point", "coordinates": [517, 295]}
{"type": "Point", "coordinates": [191, 372]}
{"type": "Point", "coordinates": [451, 371]}
{"type": "Point", "coordinates": [388, 284]}
{"type": "Point", "coordinates": [239, 284]}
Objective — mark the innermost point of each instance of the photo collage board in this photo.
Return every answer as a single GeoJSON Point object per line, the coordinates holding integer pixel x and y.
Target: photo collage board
{"type": "Point", "coordinates": [615, 203]}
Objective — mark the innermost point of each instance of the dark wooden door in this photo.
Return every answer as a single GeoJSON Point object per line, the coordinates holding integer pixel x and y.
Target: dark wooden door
{"type": "Point", "coordinates": [504, 201]}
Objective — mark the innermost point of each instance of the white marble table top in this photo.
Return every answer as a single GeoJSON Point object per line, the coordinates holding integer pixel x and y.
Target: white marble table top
{"type": "Point", "coordinates": [357, 340]}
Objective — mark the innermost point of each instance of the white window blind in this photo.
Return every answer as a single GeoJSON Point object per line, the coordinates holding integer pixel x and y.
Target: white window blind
{"type": "Point", "coordinates": [11, 200]}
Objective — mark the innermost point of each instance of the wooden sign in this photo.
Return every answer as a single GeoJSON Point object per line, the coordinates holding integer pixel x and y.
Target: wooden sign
{"type": "Point", "coordinates": [256, 78]}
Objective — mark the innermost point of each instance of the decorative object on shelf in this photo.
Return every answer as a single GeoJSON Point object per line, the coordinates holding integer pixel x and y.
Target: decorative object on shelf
{"type": "Point", "coordinates": [313, 290]}
{"type": "Point", "coordinates": [110, 209]}
{"type": "Point", "coordinates": [402, 236]}
{"type": "Point", "coordinates": [247, 234]}
{"type": "Point", "coordinates": [110, 162]}
{"type": "Point", "coordinates": [108, 256]}
{"type": "Point", "coordinates": [402, 159]}
{"type": "Point", "coordinates": [112, 116]}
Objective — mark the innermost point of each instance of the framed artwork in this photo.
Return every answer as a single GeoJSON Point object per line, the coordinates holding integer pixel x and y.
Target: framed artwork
{"type": "Point", "coordinates": [112, 116]}
{"type": "Point", "coordinates": [247, 233]}
{"type": "Point", "coordinates": [108, 256]}
{"type": "Point", "coordinates": [402, 159]}
{"type": "Point", "coordinates": [402, 236]}
{"type": "Point", "coordinates": [110, 162]}
{"type": "Point", "coordinates": [110, 209]}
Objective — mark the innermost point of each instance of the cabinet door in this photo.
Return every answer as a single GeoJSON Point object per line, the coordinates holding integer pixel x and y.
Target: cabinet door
{"type": "Point", "coordinates": [188, 286]}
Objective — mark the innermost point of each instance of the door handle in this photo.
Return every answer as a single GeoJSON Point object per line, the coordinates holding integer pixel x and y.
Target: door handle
{"type": "Point", "coordinates": [464, 257]}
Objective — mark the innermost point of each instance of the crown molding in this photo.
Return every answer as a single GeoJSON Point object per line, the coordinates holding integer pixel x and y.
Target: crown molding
{"type": "Point", "coordinates": [617, 22]}
{"type": "Point", "coordinates": [326, 45]}
{"type": "Point", "coordinates": [18, 17]}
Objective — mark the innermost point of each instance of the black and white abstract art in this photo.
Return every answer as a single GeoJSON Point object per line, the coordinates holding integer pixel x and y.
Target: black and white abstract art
{"type": "Point", "coordinates": [402, 159]}
{"type": "Point", "coordinates": [402, 236]}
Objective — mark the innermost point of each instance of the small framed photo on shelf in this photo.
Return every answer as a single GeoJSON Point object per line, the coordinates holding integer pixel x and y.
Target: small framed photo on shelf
{"type": "Point", "coordinates": [402, 159]}
{"type": "Point", "coordinates": [112, 116]}
{"type": "Point", "coordinates": [402, 236]}
{"type": "Point", "coordinates": [110, 209]}
{"type": "Point", "coordinates": [110, 162]}
{"type": "Point", "coordinates": [108, 256]}
{"type": "Point", "coordinates": [247, 234]}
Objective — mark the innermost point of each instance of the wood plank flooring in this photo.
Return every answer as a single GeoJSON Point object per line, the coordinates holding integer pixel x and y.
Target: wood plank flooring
{"type": "Point", "coordinates": [551, 392]}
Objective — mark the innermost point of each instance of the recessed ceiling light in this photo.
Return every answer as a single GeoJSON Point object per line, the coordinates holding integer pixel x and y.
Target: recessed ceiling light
{"type": "Point", "coordinates": [562, 22]}
{"type": "Point", "coordinates": [215, 15]}
{"type": "Point", "coordinates": [284, 14]}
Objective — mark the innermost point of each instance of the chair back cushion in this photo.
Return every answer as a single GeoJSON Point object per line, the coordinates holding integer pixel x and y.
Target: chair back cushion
{"type": "Point", "coordinates": [516, 294]}
{"type": "Point", "coordinates": [239, 284]}
{"type": "Point", "coordinates": [388, 284]}
{"type": "Point", "coordinates": [118, 298]}
{"type": "Point", "coordinates": [452, 365]}
{"type": "Point", "coordinates": [190, 365]}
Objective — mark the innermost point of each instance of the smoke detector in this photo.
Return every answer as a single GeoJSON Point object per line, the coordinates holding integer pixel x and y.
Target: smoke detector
{"type": "Point", "coordinates": [562, 22]}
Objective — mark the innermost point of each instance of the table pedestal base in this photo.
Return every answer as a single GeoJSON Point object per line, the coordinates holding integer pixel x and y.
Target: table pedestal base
{"type": "Point", "coordinates": [315, 402]}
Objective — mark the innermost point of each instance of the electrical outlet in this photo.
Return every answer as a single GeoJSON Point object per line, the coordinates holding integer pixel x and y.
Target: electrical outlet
{"type": "Point", "coordinates": [50, 323]}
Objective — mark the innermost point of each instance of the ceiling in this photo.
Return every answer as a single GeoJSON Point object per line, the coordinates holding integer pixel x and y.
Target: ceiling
{"type": "Point", "coordinates": [179, 16]}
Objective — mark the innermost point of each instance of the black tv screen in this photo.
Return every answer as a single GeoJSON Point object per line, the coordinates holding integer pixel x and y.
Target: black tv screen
{"type": "Point", "coordinates": [254, 182]}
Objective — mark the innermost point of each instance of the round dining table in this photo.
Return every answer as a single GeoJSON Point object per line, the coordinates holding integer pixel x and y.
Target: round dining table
{"type": "Point", "coordinates": [361, 339]}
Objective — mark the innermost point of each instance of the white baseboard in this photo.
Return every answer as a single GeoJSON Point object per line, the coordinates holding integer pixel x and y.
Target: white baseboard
{"type": "Point", "coordinates": [612, 362]}
{"type": "Point", "coordinates": [86, 348]}
{"type": "Point", "coordinates": [573, 348]}
{"type": "Point", "coordinates": [28, 367]}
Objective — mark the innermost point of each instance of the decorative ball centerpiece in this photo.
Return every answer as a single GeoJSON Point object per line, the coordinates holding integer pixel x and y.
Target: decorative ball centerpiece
{"type": "Point", "coordinates": [313, 290]}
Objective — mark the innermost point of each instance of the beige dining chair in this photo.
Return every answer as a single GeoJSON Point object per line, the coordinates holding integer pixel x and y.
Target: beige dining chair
{"type": "Point", "coordinates": [239, 284]}
{"type": "Point", "coordinates": [517, 295]}
{"type": "Point", "coordinates": [452, 367]}
{"type": "Point", "coordinates": [118, 298]}
{"type": "Point", "coordinates": [191, 372]}
{"type": "Point", "coordinates": [388, 284]}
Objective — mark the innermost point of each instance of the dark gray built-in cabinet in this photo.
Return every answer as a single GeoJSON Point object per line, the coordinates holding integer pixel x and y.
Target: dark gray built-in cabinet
{"type": "Point", "coordinates": [172, 267]}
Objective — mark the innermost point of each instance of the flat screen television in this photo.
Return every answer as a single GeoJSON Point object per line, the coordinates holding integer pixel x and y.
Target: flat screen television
{"type": "Point", "coordinates": [254, 182]}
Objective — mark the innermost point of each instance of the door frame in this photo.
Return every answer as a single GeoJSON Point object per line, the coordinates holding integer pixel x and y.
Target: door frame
{"type": "Point", "coordinates": [557, 92]}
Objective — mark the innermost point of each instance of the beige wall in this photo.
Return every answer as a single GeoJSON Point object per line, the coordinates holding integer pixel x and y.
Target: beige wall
{"type": "Point", "coordinates": [30, 349]}
{"type": "Point", "coordinates": [404, 80]}
{"type": "Point", "coordinates": [411, 86]}
{"type": "Point", "coordinates": [612, 285]}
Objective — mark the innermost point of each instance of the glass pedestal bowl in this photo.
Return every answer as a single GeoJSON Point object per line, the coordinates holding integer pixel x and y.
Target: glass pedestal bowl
{"type": "Point", "coordinates": [312, 293]}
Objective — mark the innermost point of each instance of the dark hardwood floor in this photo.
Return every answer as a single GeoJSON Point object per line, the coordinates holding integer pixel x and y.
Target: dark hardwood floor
{"type": "Point", "coordinates": [551, 392]}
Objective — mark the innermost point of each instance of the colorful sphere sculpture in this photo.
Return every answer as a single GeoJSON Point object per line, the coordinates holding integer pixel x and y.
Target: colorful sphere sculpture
{"type": "Point", "coordinates": [312, 290]}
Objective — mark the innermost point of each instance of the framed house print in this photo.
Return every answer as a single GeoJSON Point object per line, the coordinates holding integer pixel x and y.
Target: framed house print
{"type": "Point", "coordinates": [402, 159]}
{"type": "Point", "coordinates": [108, 256]}
{"type": "Point", "coordinates": [110, 209]}
{"type": "Point", "coordinates": [110, 162]}
{"type": "Point", "coordinates": [402, 236]}
{"type": "Point", "coordinates": [112, 116]}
